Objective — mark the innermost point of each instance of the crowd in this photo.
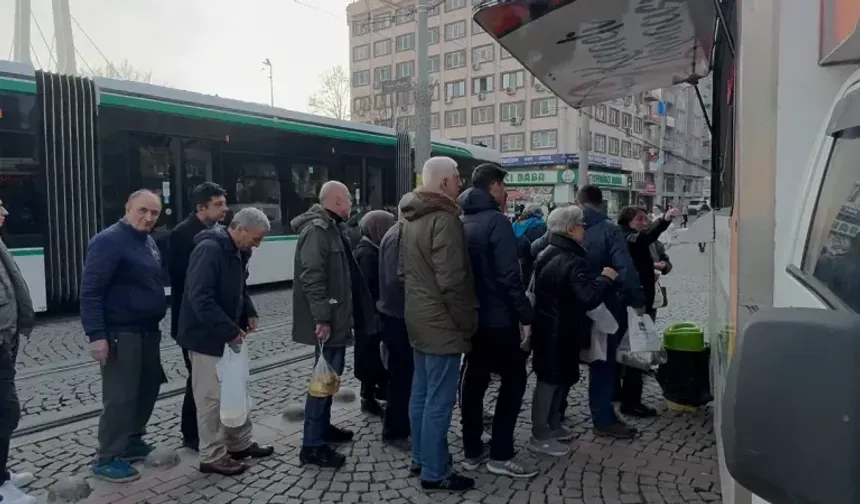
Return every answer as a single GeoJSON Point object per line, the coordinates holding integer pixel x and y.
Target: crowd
{"type": "Point", "coordinates": [435, 300]}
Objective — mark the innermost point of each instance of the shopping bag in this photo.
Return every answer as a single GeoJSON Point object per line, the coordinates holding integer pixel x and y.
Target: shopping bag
{"type": "Point", "coordinates": [234, 371]}
{"type": "Point", "coordinates": [644, 360]}
{"type": "Point", "coordinates": [325, 382]}
{"type": "Point", "coordinates": [643, 336]}
{"type": "Point", "coordinates": [660, 299]}
{"type": "Point", "coordinates": [597, 350]}
{"type": "Point", "coordinates": [603, 319]}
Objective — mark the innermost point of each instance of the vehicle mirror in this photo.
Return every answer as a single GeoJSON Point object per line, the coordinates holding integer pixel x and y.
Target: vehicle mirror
{"type": "Point", "coordinates": [791, 407]}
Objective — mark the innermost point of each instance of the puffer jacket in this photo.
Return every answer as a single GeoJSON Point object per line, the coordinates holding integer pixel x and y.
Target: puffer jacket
{"type": "Point", "coordinates": [441, 307]}
{"type": "Point", "coordinates": [605, 245]}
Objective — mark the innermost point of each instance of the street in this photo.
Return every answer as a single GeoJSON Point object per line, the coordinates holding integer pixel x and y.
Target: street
{"type": "Point", "coordinates": [674, 460]}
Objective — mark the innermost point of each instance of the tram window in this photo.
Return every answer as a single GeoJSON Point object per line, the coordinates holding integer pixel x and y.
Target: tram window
{"type": "Point", "coordinates": [373, 192]}
{"type": "Point", "coordinates": [21, 189]}
{"type": "Point", "coordinates": [257, 185]}
{"type": "Point", "coordinates": [832, 252]}
{"type": "Point", "coordinates": [307, 182]}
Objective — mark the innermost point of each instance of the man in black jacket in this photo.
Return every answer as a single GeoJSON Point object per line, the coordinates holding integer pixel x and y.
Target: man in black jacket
{"type": "Point", "coordinates": [504, 317]}
{"type": "Point", "coordinates": [214, 309]}
{"type": "Point", "coordinates": [210, 207]}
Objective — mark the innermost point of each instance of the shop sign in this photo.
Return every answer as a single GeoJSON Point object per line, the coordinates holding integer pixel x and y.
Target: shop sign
{"type": "Point", "coordinates": [613, 180]}
{"type": "Point", "coordinates": [650, 188]}
{"type": "Point", "coordinates": [531, 178]}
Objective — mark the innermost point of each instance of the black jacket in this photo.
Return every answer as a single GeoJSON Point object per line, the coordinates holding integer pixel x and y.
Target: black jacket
{"type": "Point", "coordinates": [215, 305]}
{"type": "Point", "coordinates": [391, 299]}
{"type": "Point", "coordinates": [658, 253]}
{"type": "Point", "coordinates": [368, 363]}
{"type": "Point", "coordinates": [639, 245]}
{"type": "Point", "coordinates": [181, 243]}
{"type": "Point", "coordinates": [367, 256]}
{"type": "Point", "coordinates": [565, 291]}
{"type": "Point", "coordinates": [493, 251]}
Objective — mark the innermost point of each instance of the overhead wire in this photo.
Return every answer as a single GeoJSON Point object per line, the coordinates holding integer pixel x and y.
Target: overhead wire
{"type": "Point", "coordinates": [95, 46]}
{"type": "Point", "coordinates": [49, 47]}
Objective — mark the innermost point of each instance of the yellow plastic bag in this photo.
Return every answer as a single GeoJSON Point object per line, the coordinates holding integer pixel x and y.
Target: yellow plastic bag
{"type": "Point", "coordinates": [325, 382]}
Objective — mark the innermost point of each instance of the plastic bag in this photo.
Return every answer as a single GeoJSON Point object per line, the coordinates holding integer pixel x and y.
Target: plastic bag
{"type": "Point", "coordinates": [603, 319]}
{"type": "Point", "coordinates": [234, 372]}
{"type": "Point", "coordinates": [641, 347]}
{"type": "Point", "coordinates": [325, 382]}
{"type": "Point", "coordinates": [660, 299]}
{"type": "Point", "coordinates": [597, 350]}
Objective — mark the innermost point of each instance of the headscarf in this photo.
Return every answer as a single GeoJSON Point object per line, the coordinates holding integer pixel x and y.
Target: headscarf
{"type": "Point", "coordinates": [374, 224]}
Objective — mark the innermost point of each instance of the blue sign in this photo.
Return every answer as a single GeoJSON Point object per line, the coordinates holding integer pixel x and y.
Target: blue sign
{"type": "Point", "coordinates": [558, 159]}
{"type": "Point", "coordinates": [661, 108]}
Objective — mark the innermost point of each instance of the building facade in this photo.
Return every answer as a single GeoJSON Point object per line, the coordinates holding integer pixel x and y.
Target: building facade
{"type": "Point", "coordinates": [481, 95]}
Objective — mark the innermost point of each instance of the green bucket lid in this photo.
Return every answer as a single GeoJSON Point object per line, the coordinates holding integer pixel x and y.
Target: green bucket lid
{"type": "Point", "coordinates": [685, 336]}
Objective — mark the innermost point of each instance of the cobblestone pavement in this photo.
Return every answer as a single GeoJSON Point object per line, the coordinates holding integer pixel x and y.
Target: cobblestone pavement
{"type": "Point", "coordinates": [672, 461]}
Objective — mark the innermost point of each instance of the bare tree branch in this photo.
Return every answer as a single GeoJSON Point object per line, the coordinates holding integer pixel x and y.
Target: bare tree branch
{"type": "Point", "coordinates": [122, 71]}
{"type": "Point", "coordinates": [332, 99]}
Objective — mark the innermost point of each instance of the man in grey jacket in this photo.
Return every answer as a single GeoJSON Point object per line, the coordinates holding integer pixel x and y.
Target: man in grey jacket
{"type": "Point", "coordinates": [16, 318]}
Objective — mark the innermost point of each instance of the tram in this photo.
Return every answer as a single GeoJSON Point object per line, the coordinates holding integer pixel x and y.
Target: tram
{"type": "Point", "coordinates": [73, 148]}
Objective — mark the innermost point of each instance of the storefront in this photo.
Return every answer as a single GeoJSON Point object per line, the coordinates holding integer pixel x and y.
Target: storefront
{"type": "Point", "coordinates": [617, 189]}
{"type": "Point", "coordinates": [552, 185]}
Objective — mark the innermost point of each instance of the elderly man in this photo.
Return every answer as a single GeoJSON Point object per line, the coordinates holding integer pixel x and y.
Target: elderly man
{"type": "Point", "coordinates": [16, 318]}
{"type": "Point", "coordinates": [325, 311]}
{"type": "Point", "coordinates": [215, 310]}
{"type": "Point", "coordinates": [122, 303]}
{"type": "Point", "coordinates": [441, 313]}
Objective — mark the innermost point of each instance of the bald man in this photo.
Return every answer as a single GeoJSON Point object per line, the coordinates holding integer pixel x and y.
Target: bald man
{"type": "Point", "coordinates": [122, 303]}
{"type": "Point", "coordinates": [325, 311]}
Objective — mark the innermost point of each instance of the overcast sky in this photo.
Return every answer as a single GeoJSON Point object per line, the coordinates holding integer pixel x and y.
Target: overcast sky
{"type": "Point", "coordinates": [209, 46]}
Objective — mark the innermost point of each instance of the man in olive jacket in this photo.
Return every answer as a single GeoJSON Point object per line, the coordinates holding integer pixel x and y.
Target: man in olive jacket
{"type": "Point", "coordinates": [329, 299]}
{"type": "Point", "coordinates": [441, 315]}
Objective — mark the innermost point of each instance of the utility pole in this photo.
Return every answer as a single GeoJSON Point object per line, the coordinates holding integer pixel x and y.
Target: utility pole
{"type": "Point", "coordinates": [584, 145]}
{"type": "Point", "coordinates": [268, 64]}
{"type": "Point", "coordinates": [21, 42]}
{"type": "Point", "coordinates": [423, 94]}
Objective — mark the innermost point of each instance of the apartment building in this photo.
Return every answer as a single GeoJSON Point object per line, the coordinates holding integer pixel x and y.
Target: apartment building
{"type": "Point", "coordinates": [481, 95]}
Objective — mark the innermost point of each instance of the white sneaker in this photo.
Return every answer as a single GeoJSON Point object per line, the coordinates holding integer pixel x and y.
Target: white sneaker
{"type": "Point", "coordinates": [21, 479]}
{"type": "Point", "coordinates": [9, 494]}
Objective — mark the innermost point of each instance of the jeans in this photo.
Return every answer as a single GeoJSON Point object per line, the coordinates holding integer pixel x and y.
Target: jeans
{"type": "Point", "coordinates": [493, 351]}
{"type": "Point", "coordinates": [318, 409]}
{"type": "Point", "coordinates": [395, 423]}
{"type": "Point", "coordinates": [10, 408]}
{"type": "Point", "coordinates": [601, 382]}
{"type": "Point", "coordinates": [188, 424]}
{"type": "Point", "coordinates": [434, 390]}
{"type": "Point", "coordinates": [546, 409]}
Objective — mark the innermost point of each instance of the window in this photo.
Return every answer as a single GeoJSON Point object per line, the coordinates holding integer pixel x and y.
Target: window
{"type": "Point", "coordinates": [483, 54]}
{"type": "Point", "coordinates": [484, 141]}
{"type": "Point", "coordinates": [405, 42]}
{"type": "Point", "coordinates": [513, 110]}
{"type": "Point", "coordinates": [451, 5]}
{"type": "Point", "coordinates": [455, 118]}
{"type": "Point", "coordinates": [513, 79]}
{"type": "Point", "coordinates": [405, 69]}
{"type": "Point", "coordinates": [626, 147]}
{"type": "Point", "coordinates": [504, 54]}
{"type": "Point", "coordinates": [404, 98]}
{"type": "Point", "coordinates": [626, 120]}
{"type": "Point", "coordinates": [253, 182]}
{"type": "Point", "coordinates": [360, 78]}
{"type": "Point", "coordinates": [21, 175]}
{"type": "Point", "coordinates": [361, 104]}
{"type": "Point", "coordinates": [382, 101]}
{"type": "Point", "coordinates": [435, 90]}
{"type": "Point", "coordinates": [546, 139]}
{"type": "Point", "coordinates": [405, 123]}
{"type": "Point", "coordinates": [434, 120]}
{"type": "Point", "coordinates": [614, 146]}
{"type": "Point", "coordinates": [307, 181]}
{"type": "Point", "coordinates": [361, 53]}
{"type": "Point", "coordinates": [381, 21]}
{"type": "Point", "coordinates": [599, 143]}
{"type": "Point", "coordinates": [459, 139]}
{"type": "Point", "coordinates": [403, 16]}
{"type": "Point", "coordinates": [512, 142]}
{"type": "Point", "coordinates": [482, 84]}
{"type": "Point", "coordinates": [360, 28]}
{"type": "Point", "coordinates": [669, 183]}
{"type": "Point", "coordinates": [433, 11]}
{"type": "Point", "coordinates": [483, 115]}
{"type": "Point", "coordinates": [544, 107]}
{"type": "Point", "coordinates": [456, 30]}
{"type": "Point", "coordinates": [455, 59]}
{"type": "Point", "coordinates": [637, 125]}
{"type": "Point", "coordinates": [388, 123]}
{"type": "Point", "coordinates": [455, 89]}
{"type": "Point", "coordinates": [434, 35]}
{"type": "Point", "coordinates": [434, 63]}
{"type": "Point", "coordinates": [613, 116]}
{"type": "Point", "coordinates": [637, 151]}
{"type": "Point", "coordinates": [382, 47]}
{"type": "Point", "coordinates": [382, 74]}
{"type": "Point", "coordinates": [600, 113]}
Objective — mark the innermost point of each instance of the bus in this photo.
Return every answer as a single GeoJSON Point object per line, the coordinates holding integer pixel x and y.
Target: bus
{"type": "Point", "coordinates": [72, 149]}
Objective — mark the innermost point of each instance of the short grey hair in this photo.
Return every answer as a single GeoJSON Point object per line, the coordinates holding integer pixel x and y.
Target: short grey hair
{"type": "Point", "coordinates": [250, 218]}
{"type": "Point", "coordinates": [327, 188]}
{"type": "Point", "coordinates": [564, 218]}
{"type": "Point", "coordinates": [435, 169]}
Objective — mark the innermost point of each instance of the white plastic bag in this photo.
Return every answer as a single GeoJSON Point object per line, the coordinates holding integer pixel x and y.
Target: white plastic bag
{"type": "Point", "coordinates": [603, 319]}
{"type": "Point", "coordinates": [597, 350]}
{"type": "Point", "coordinates": [643, 336]}
{"type": "Point", "coordinates": [234, 372]}
{"type": "Point", "coordinates": [660, 300]}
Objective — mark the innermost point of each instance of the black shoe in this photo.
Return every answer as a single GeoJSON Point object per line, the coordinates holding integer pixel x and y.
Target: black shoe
{"type": "Point", "coordinates": [372, 407]}
{"type": "Point", "coordinates": [381, 393]}
{"type": "Point", "coordinates": [191, 444]}
{"type": "Point", "coordinates": [617, 430]}
{"type": "Point", "coordinates": [337, 435]}
{"type": "Point", "coordinates": [321, 456]}
{"type": "Point", "coordinates": [452, 483]}
{"type": "Point", "coordinates": [254, 451]}
{"type": "Point", "coordinates": [638, 410]}
{"type": "Point", "coordinates": [415, 469]}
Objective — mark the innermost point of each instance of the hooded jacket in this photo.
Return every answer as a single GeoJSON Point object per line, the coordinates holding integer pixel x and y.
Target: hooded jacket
{"type": "Point", "coordinates": [441, 307]}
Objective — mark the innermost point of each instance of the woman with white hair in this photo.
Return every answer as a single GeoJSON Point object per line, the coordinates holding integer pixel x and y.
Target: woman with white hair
{"type": "Point", "coordinates": [564, 292]}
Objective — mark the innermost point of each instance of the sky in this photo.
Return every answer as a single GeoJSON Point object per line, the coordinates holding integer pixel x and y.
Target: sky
{"type": "Point", "coordinates": [208, 46]}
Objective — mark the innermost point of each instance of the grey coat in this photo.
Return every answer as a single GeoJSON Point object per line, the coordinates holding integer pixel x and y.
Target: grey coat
{"type": "Point", "coordinates": [16, 306]}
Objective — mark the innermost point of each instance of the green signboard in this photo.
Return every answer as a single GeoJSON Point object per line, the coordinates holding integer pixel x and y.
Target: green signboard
{"type": "Point", "coordinates": [540, 177]}
{"type": "Point", "coordinates": [614, 180]}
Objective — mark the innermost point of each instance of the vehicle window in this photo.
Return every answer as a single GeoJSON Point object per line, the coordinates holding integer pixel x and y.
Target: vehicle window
{"type": "Point", "coordinates": [832, 252]}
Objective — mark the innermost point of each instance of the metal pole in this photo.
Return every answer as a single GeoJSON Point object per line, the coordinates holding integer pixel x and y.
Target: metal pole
{"type": "Point", "coordinates": [584, 145]}
{"type": "Point", "coordinates": [423, 94]}
{"type": "Point", "coordinates": [21, 41]}
{"type": "Point", "coordinates": [271, 86]}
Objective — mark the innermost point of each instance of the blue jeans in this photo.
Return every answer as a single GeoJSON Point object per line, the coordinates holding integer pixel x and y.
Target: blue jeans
{"type": "Point", "coordinates": [318, 410]}
{"type": "Point", "coordinates": [601, 381]}
{"type": "Point", "coordinates": [434, 392]}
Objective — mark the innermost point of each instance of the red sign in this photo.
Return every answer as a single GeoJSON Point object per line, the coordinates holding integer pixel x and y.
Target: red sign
{"type": "Point", "coordinates": [650, 188]}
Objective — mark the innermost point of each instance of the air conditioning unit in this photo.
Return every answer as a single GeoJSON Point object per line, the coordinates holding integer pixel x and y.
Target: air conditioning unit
{"type": "Point", "coordinates": [516, 121]}
{"type": "Point", "coordinates": [404, 108]}
{"type": "Point", "coordinates": [376, 84]}
{"type": "Point", "coordinates": [476, 65]}
{"type": "Point", "coordinates": [627, 131]}
{"type": "Point", "coordinates": [511, 91]}
{"type": "Point", "coordinates": [482, 96]}
{"type": "Point", "coordinates": [539, 87]}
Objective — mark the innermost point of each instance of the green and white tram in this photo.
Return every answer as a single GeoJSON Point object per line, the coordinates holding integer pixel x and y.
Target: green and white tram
{"type": "Point", "coordinates": [72, 149]}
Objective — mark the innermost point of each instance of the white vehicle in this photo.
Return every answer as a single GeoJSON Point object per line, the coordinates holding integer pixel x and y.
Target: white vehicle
{"type": "Point", "coordinates": [694, 207]}
{"type": "Point", "coordinates": [785, 278]}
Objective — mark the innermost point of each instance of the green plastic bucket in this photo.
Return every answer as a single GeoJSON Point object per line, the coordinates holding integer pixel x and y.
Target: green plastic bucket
{"type": "Point", "coordinates": [684, 337]}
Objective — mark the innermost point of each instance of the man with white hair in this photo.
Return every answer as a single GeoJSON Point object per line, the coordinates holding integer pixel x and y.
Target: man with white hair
{"type": "Point", "coordinates": [441, 313]}
{"type": "Point", "coordinates": [215, 312]}
{"type": "Point", "coordinates": [325, 310]}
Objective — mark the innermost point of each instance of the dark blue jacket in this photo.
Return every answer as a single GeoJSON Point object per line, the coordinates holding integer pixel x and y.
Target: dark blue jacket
{"type": "Point", "coordinates": [391, 295]}
{"type": "Point", "coordinates": [495, 262]}
{"type": "Point", "coordinates": [605, 245]}
{"type": "Point", "coordinates": [121, 287]}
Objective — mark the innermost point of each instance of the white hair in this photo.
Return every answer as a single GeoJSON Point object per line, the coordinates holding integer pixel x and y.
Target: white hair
{"type": "Point", "coordinates": [564, 218]}
{"type": "Point", "coordinates": [327, 188]}
{"type": "Point", "coordinates": [435, 169]}
{"type": "Point", "coordinates": [250, 218]}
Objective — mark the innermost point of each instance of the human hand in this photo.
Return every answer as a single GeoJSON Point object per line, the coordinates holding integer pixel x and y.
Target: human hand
{"type": "Point", "coordinates": [99, 350]}
{"type": "Point", "coordinates": [671, 214]}
{"type": "Point", "coordinates": [323, 332]}
{"type": "Point", "coordinates": [657, 274]}
{"type": "Point", "coordinates": [525, 337]}
{"type": "Point", "coordinates": [253, 323]}
{"type": "Point", "coordinates": [239, 339]}
{"type": "Point", "coordinates": [609, 273]}
{"type": "Point", "coordinates": [659, 265]}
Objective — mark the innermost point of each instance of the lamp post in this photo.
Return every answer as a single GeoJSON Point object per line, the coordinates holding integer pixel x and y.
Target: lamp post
{"type": "Point", "coordinates": [267, 63]}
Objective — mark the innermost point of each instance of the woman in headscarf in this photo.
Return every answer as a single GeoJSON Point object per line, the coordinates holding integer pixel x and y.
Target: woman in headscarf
{"type": "Point", "coordinates": [368, 362]}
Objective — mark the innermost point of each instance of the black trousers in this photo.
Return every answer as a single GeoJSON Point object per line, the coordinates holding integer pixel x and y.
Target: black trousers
{"type": "Point", "coordinates": [10, 408]}
{"type": "Point", "coordinates": [188, 423]}
{"type": "Point", "coordinates": [493, 351]}
{"type": "Point", "coordinates": [395, 423]}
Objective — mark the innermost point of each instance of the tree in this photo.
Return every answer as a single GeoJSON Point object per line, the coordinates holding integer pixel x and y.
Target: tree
{"type": "Point", "coordinates": [122, 71]}
{"type": "Point", "coordinates": [332, 99]}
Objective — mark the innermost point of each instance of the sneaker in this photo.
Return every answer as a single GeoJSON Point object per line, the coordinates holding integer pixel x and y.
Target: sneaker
{"type": "Point", "coordinates": [336, 435]}
{"type": "Point", "coordinates": [136, 451]}
{"type": "Point", "coordinates": [21, 479]}
{"type": "Point", "coordinates": [562, 434]}
{"type": "Point", "coordinates": [548, 447]}
{"type": "Point", "coordinates": [115, 471]}
{"type": "Point", "coordinates": [254, 451]}
{"type": "Point", "coordinates": [472, 463]}
{"type": "Point", "coordinates": [486, 437]}
{"type": "Point", "coordinates": [617, 430]}
{"type": "Point", "coordinates": [10, 494]}
{"type": "Point", "coordinates": [514, 468]}
{"type": "Point", "coordinates": [321, 456]}
{"type": "Point", "coordinates": [225, 466]}
{"type": "Point", "coordinates": [452, 483]}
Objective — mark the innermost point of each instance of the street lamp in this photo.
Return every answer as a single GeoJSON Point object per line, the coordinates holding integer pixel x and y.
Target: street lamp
{"type": "Point", "coordinates": [268, 64]}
